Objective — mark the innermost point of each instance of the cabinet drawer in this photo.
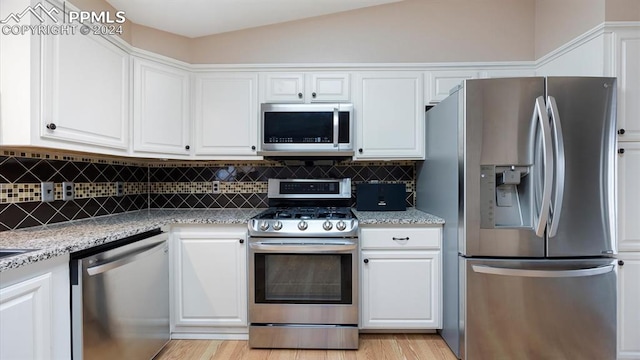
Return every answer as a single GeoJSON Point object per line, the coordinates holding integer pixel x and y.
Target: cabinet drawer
{"type": "Point", "coordinates": [400, 238]}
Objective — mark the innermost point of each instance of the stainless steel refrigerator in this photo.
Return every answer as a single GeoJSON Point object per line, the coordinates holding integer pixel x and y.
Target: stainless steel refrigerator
{"type": "Point", "coordinates": [522, 170]}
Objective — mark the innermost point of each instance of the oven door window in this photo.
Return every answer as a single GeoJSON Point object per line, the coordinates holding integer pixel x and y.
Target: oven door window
{"type": "Point", "coordinates": [303, 278]}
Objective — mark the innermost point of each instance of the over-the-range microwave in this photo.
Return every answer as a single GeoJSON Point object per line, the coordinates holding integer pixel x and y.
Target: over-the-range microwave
{"type": "Point", "coordinates": [292, 130]}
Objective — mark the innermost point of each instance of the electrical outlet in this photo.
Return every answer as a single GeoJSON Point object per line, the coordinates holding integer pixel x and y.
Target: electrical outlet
{"type": "Point", "coordinates": [216, 187]}
{"type": "Point", "coordinates": [47, 192]}
{"type": "Point", "coordinates": [68, 191]}
{"type": "Point", "coordinates": [119, 189]}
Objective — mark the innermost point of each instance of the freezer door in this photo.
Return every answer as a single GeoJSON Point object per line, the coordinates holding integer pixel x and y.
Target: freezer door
{"type": "Point", "coordinates": [540, 309]}
{"type": "Point", "coordinates": [582, 114]}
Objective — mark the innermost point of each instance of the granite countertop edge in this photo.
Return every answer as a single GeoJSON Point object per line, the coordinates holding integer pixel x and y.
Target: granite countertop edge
{"type": "Point", "coordinates": [65, 238]}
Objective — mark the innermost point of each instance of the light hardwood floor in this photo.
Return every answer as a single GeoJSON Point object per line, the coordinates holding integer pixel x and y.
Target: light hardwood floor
{"type": "Point", "coordinates": [372, 347]}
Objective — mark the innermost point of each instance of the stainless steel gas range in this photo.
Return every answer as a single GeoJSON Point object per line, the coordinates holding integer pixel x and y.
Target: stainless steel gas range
{"type": "Point", "coordinates": [303, 267]}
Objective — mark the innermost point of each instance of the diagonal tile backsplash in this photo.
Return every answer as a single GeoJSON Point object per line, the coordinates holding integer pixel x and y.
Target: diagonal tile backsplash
{"type": "Point", "coordinates": [95, 179]}
{"type": "Point", "coordinates": [157, 184]}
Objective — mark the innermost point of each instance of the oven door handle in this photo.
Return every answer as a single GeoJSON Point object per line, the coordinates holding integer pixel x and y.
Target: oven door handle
{"type": "Point", "coordinates": [301, 247]}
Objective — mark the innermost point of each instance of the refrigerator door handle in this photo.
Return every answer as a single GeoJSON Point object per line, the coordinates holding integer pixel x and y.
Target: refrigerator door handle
{"type": "Point", "coordinates": [558, 144]}
{"type": "Point", "coordinates": [540, 113]}
{"type": "Point", "coordinates": [484, 269]}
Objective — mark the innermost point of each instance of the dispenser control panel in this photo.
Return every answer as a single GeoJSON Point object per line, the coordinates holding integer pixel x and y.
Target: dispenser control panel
{"type": "Point", "coordinates": [487, 196]}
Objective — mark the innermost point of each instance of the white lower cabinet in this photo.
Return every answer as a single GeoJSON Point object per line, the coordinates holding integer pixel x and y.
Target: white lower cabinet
{"type": "Point", "coordinates": [628, 309]}
{"type": "Point", "coordinates": [400, 278]}
{"type": "Point", "coordinates": [34, 312]}
{"type": "Point", "coordinates": [209, 280]}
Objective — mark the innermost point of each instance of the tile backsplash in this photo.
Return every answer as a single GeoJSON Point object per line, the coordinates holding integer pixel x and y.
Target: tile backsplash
{"type": "Point", "coordinates": [157, 184]}
{"type": "Point", "coordinates": [94, 177]}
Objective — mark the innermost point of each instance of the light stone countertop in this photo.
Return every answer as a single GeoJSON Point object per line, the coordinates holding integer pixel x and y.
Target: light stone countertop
{"type": "Point", "coordinates": [411, 216]}
{"type": "Point", "coordinates": [64, 238]}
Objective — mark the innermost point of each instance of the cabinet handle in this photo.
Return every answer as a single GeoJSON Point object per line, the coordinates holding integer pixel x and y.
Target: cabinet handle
{"type": "Point", "coordinates": [313, 95]}
{"type": "Point", "coordinates": [620, 262]}
{"type": "Point", "coordinates": [360, 150]}
{"type": "Point", "coordinates": [620, 151]}
{"type": "Point", "coordinates": [187, 147]}
{"type": "Point", "coordinates": [253, 147]}
{"type": "Point", "coordinates": [241, 241]}
{"type": "Point", "coordinates": [400, 239]}
{"type": "Point", "coordinates": [299, 95]}
{"type": "Point", "coordinates": [51, 126]}
{"type": "Point", "coordinates": [621, 131]}
{"type": "Point", "coordinates": [366, 261]}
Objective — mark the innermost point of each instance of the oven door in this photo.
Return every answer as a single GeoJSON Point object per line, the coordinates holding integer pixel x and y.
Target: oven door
{"type": "Point", "coordinates": [303, 281]}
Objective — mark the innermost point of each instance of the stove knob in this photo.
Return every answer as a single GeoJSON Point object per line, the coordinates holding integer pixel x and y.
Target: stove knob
{"type": "Point", "coordinates": [327, 225]}
{"type": "Point", "coordinates": [341, 225]}
{"type": "Point", "coordinates": [277, 225]}
{"type": "Point", "coordinates": [264, 226]}
{"type": "Point", "coordinates": [302, 225]}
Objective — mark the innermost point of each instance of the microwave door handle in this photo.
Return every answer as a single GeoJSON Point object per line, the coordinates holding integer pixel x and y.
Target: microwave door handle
{"type": "Point", "coordinates": [336, 126]}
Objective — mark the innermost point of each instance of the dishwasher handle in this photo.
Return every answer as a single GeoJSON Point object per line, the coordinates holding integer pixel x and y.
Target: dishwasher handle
{"type": "Point", "coordinates": [126, 259]}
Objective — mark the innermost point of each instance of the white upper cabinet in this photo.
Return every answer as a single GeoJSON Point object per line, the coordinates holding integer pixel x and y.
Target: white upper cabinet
{"type": "Point", "coordinates": [226, 115]}
{"type": "Point", "coordinates": [305, 87]}
{"type": "Point", "coordinates": [628, 196]}
{"type": "Point", "coordinates": [440, 83]}
{"type": "Point", "coordinates": [628, 74]}
{"type": "Point", "coordinates": [389, 115]}
{"type": "Point", "coordinates": [85, 81]}
{"type": "Point", "coordinates": [161, 109]}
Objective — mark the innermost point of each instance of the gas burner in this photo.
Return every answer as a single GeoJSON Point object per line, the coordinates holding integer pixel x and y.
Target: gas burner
{"type": "Point", "coordinates": [295, 213]}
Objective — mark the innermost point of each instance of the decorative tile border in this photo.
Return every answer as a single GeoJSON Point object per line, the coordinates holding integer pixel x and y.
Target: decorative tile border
{"type": "Point", "coordinates": [23, 193]}
{"type": "Point", "coordinates": [49, 154]}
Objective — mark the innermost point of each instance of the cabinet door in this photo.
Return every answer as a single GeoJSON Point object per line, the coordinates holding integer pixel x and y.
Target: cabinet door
{"type": "Point", "coordinates": [283, 87]}
{"type": "Point", "coordinates": [628, 197]}
{"type": "Point", "coordinates": [628, 309]}
{"type": "Point", "coordinates": [390, 115]}
{"type": "Point", "coordinates": [439, 83]}
{"type": "Point", "coordinates": [400, 290]}
{"type": "Point", "coordinates": [328, 87]}
{"type": "Point", "coordinates": [25, 319]}
{"type": "Point", "coordinates": [85, 91]}
{"type": "Point", "coordinates": [226, 114]}
{"type": "Point", "coordinates": [160, 108]}
{"type": "Point", "coordinates": [628, 74]}
{"type": "Point", "coordinates": [210, 279]}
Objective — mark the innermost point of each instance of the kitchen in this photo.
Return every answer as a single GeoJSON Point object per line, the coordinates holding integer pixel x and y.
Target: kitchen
{"type": "Point", "coordinates": [125, 171]}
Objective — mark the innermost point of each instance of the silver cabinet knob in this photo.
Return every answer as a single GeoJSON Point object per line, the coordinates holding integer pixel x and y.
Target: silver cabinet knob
{"type": "Point", "coordinates": [302, 225]}
{"type": "Point", "coordinates": [341, 225]}
{"type": "Point", "coordinates": [327, 225]}
{"type": "Point", "coordinates": [264, 226]}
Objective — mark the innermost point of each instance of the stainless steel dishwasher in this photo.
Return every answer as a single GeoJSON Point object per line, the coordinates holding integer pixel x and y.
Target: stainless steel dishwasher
{"type": "Point", "coordinates": [120, 298]}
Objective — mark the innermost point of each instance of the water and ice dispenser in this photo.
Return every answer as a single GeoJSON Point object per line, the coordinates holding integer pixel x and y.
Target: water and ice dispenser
{"type": "Point", "coordinates": [506, 196]}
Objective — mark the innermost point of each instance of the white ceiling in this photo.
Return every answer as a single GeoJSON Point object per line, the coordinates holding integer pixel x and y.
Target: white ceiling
{"type": "Point", "coordinates": [194, 18]}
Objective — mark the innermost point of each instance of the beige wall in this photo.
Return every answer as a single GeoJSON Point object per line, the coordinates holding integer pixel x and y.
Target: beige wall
{"type": "Point", "coordinates": [408, 31]}
{"type": "Point", "coordinates": [622, 10]}
{"type": "Point", "coordinates": [161, 42]}
{"type": "Point", "coordinates": [558, 21]}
